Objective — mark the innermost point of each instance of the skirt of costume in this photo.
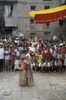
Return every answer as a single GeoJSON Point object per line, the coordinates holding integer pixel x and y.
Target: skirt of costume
{"type": "Point", "coordinates": [26, 75]}
{"type": "Point", "coordinates": [22, 78]}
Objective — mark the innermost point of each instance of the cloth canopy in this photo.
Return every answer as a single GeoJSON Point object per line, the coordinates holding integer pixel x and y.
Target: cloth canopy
{"type": "Point", "coordinates": [49, 15]}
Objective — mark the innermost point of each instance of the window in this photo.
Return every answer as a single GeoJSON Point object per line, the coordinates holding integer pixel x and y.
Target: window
{"type": "Point", "coordinates": [32, 25]}
{"type": "Point", "coordinates": [32, 35]}
{"type": "Point", "coordinates": [62, 1]}
{"type": "Point", "coordinates": [47, 7]}
{"type": "Point", "coordinates": [47, 26]}
{"type": "Point", "coordinates": [47, 36]}
{"type": "Point", "coordinates": [33, 8]}
{"type": "Point", "coordinates": [61, 23]}
{"type": "Point", "coordinates": [11, 10]}
{"type": "Point", "coordinates": [31, 21]}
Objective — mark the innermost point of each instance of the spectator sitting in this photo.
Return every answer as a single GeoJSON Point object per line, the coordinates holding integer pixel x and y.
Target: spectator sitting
{"type": "Point", "coordinates": [46, 66]}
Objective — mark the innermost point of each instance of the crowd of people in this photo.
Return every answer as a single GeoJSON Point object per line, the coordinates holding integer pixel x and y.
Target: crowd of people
{"type": "Point", "coordinates": [45, 55]}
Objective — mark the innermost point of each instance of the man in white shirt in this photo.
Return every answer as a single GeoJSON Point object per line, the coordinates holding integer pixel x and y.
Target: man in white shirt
{"type": "Point", "coordinates": [1, 57]}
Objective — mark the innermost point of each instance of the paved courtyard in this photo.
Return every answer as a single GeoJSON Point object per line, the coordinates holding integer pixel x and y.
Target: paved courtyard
{"type": "Point", "coordinates": [48, 86]}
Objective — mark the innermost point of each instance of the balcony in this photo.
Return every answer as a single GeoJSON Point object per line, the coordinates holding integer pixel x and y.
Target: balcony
{"type": "Point", "coordinates": [11, 22]}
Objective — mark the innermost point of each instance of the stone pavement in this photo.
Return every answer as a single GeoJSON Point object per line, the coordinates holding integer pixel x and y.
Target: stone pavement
{"type": "Point", "coordinates": [48, 86]}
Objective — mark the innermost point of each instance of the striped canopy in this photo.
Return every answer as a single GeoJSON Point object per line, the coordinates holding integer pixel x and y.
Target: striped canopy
{"type": "Point", "coordinates": [49, 15]}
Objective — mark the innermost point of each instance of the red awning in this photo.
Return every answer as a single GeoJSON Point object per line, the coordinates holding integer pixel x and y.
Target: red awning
{"type": "Point", "coordinates": [50, 17]}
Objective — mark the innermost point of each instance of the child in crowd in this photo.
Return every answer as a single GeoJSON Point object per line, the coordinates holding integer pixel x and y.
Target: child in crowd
{"type": "Point", "coordinates": [17, 63]}
{"type": "Point", "coordinates": [39, 60]}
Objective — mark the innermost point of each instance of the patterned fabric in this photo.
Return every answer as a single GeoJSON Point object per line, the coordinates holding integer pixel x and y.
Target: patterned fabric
{"type": "Point", "coordinates": [26, 75]}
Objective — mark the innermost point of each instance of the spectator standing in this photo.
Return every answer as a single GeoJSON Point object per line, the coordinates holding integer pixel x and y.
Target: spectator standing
{"type": "Point", "coordinates": [12, 58]}
{"type": "Point", "coordinates": [1, 57]}
{"type": "Point", "coordinates": [7, 58]}
{"type": "Point", "coordinates": [54, 53]}
{"type": "Point", "coordinates": [39, 60]}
